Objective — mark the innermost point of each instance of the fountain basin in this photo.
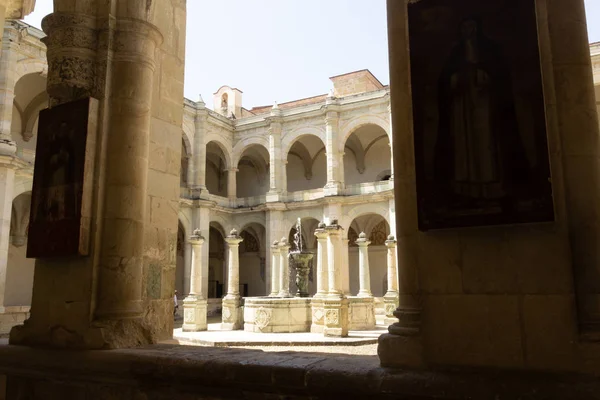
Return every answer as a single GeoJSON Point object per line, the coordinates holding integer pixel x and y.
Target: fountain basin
{"type": "Point", "coordinates": [277, 314]}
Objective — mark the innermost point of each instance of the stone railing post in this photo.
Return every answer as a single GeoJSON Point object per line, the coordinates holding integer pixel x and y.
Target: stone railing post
{"type": "Point", "coordinates": [195, 304]}
{"type": "Point", "coordinates": [363, 266]}
{"type": "Point", "coordinates": [232, 302]}
{"type": "Point", "coordinates": [275, 269]}
{"type": "Point", "coordinates": [284, 268]}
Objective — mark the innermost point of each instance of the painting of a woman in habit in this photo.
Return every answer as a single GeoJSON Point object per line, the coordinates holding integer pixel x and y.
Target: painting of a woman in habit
{"type": "Point", "coordinates": [479, 158]}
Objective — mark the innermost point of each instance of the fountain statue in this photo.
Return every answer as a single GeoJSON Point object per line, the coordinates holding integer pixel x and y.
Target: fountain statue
{"type": "Point", "coordinates": [301, 259]}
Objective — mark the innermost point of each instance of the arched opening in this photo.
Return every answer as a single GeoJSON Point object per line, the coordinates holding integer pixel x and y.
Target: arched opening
{"type": "Point", "coordinates": [253, 278]}
{"type": "Point", "coordinates": [367, 155]}
{"type": "Point", "coordinates": [216, 170]}
{"type": "Point", "coordinates": [377, 230]}
{"type": "Point", "coordinates": [19, 271]}
{"type": "Point", "coordinates": [217, 262]}
{"type": "Point", "coordinates": [30, 98]}
{"type": "Point", "coordinates": [306, 167]}
{"type": "Point", "coordinates": [253, 172]}
{"type": "Point", "coordinates": [309, 243]}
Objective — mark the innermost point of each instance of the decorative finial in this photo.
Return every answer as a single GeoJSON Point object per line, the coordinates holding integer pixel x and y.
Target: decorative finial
{"type": "Point", "coordinates": [391, 237]}
{"type": "Point", "coordinates": [275, 243]}
{"type": "Point", "coordinates": [201, 100]}
{"type": "Point", "coordinates": [196, 232]}
{"type": "Point", "coordinates": [283, 241]}
{"type": "Point", "coordinates": [233, 232]}
{"type": "Point", "coordinates": [275, 105]}
{"type": "Point", "coordinates": [331, 93]}
{"type": "Point", "coordinates": [321, 225]}
{"type": "Point", "coordinates": [362, 235]}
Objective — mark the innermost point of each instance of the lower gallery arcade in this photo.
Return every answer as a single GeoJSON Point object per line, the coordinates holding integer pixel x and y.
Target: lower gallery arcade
{"type": "Point", "coordinates": [212, 203]}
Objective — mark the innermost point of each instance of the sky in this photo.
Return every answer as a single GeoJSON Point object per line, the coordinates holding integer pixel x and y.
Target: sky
{"type": "Point", "coordinates": [284, 50]}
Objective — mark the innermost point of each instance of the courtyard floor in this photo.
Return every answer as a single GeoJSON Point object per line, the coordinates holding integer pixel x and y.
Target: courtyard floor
{"type": "Point", "coordinates": [357, 342]}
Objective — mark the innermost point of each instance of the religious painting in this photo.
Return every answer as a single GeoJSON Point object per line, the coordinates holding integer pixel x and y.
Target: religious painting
{"type": "Point", "coordinates": [479, 115]}
{"type": "Point", "coordinates": [62, 181]}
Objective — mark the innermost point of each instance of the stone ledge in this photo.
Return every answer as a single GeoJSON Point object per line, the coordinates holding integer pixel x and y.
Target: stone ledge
{"type": "Point", "coordinates": [167, 372]}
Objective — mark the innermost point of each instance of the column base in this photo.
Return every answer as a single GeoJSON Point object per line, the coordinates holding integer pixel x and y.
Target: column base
{"type": "Point", "coordinates": [232, 314]}
{"type": "Point", "coordinates": [361, 313]}
{"type": "Point", "coordinates": [333, 189]}
{"type": "Point", "coordinates": [194, 314]}
{"type": "Point", "coordinates": [335, 322]}
{"type": "Point", "coordinates": [100, 335]}
{"type": "Point", "coordinates": [274, 197]}
{"type": "Point", "coordinates": [396, 351]}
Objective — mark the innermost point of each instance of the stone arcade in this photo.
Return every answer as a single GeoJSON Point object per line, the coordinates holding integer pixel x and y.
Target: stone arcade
{"type": "Point", "coordinates": [494, 313]}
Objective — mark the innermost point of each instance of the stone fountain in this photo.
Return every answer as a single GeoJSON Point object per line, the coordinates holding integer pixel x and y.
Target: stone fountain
{"type": "Point", "coordinates": [283, 313]}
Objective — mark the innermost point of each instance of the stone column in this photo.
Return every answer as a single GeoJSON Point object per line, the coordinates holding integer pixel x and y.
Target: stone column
{"type": "Point", "coordinates": [391, 296]}
{"type": "Point", "coordinates": [8, 167]}
{"type": "Point", "coordinates": [363, 266]}
{"type": "Point", "coordinates": [199, 150]}
{"type": "Point", "coordinates": [195, 304]}
{"type": "Point", "coordinates": [403, 345]}
{"type": "Point", "coordinates": [8, 80]}
{"type": "Point", "coordinates": [322, 258]}
{"type": "Point", "coordinates": [276, 165]}
{"type": "Point", "coordinates": [345, 266]}
{"type": "Point", "coordinates": [334, 259]}
{"type": "Point", "coordinates": [232, 183]}
{"type": "Point", "coordinates": [391, 144]}
{"type": "Point", "coordinates": [119, 294]}
{"type": "Point", "coordinates": [275, 269]}
{"type": "Point", "coordinates": [335, 162]}
{"type": "Point", "coordinates": [233, 318]}
{"type": "Point", "coordinates": [284, 268]}
{"type": "Point", "coordinates": [335, 305]}
{"type": "Point", "coordinates": [187, 267]}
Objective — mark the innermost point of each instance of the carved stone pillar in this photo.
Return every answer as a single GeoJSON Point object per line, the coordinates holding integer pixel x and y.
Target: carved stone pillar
{"type": "Point", "coordinates": [363, 266]}
{"type": "Point", "coordinates": [233, 318]}
{"type": "Point", "coordinates": [284, 267]}
{"type": "Point", "coordinates": [195, 304]}
{"type": "Point", "coordinates": [126, 169]}
{"type": "Point", "coordinates": [335, 305]}
{"type": "Point", "coordinates": [275, 269]}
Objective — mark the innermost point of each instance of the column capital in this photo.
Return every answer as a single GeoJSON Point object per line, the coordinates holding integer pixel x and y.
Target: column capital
{"type": "Point", "coordinates": [321, 232]}
{"type": "Point", "coordinates": [234, 238]}
{"type": "Point", "coordinates": [196, 238]}
{"type": "Point", "coordinates": [232, 170]}
{"type": "Point", "coordinates": [391, 241]}
{"type": "Point", "coordinates": [362, 240]}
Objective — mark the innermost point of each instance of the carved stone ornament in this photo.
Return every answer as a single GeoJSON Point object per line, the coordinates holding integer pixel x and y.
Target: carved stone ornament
{"type": "Point", "coordinates": [318, 315]}
{"type": "Point", "coordinates": [262, 318]}
{"type": "Point", "coordinates": [332, 317]}
{"type": "Point", "coordinates": [226, 314]}
{"type": "Point", "coordinates": [188, 316]}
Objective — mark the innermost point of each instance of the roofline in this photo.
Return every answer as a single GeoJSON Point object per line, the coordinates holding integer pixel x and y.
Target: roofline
{"type": "Point", "coordinates": [354, 72]}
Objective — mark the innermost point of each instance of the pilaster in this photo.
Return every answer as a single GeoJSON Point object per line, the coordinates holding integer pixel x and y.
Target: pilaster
{"type": "Point", "coordinates": [277, 183]}
{"type": "Point", "coordinates": [198, 184]}
{"type": "Point", "coordinates": [8, 80]}
{"type": "Point", "coordinates": [335, 163]}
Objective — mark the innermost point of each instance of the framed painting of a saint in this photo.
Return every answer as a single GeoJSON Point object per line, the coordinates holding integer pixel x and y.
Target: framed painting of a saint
{"type": "Point", "coordinates": [479, 115]}
{"type": "Point", "coordinates": [62, 181]}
